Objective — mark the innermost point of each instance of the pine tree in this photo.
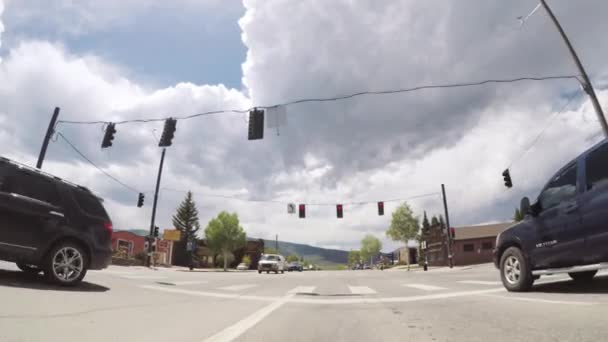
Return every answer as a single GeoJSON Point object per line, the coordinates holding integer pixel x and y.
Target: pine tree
{"type": "Point", "coordinates": [186, 218]}
{"type": "Point", "coordinates": [434, 221]}
{"type": "Point", "coordinates": [518, 216]}
{"type": "Point", "coordinates": [441, 222]}
{"type": "Point", "coordinates": [426, 226]}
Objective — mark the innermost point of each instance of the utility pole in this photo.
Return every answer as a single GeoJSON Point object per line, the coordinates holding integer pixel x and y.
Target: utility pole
{"type": "Point", "coordinates": [276, 243]}
{"type": "Point", "coordinates": [587, 86]}
{"type": "Point", "coordinates": [47, 137]}
{"type": "Point", "coordinates": [447, 222]}
{"type": "Point", "coordinates": [160, 172]}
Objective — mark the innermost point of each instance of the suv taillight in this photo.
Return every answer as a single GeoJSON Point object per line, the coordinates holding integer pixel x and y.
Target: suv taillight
{"type": "Point", "coordinates": [108, 227]}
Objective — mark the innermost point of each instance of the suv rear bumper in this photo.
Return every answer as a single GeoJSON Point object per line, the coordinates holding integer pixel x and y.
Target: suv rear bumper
{"type": "Point", "coordinates": [100, 259]}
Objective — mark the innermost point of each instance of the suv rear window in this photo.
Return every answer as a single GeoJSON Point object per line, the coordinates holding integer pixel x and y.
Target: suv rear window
{"type": "Point", "coordinates": [89, 204]}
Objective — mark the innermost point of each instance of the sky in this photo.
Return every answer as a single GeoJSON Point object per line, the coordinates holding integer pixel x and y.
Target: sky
{"type": "Point", "coordinates": [137, 59]}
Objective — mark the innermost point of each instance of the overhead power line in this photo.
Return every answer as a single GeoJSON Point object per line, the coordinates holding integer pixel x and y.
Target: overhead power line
{"type": "Point", "coordinates": [334, 98]}
{"type": "Point", "coordinates": [95, 165]}
{"type": "Point", "coordinates": [303, 202]}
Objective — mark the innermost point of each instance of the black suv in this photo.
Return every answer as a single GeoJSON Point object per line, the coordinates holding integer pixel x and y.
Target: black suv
{"type": "Point", "coordinates": [565, 230]}
{"type": "Point", "coordinates": [51, 225]}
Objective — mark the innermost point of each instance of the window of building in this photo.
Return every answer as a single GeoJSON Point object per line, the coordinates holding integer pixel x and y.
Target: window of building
{"type": "Point", "coordinates": [597, 168]}
{"type": "Point", "coordinates": [486, 245]}
{"type": "Point", "coordinates": [561, 188]}
{"type": "Point", "coordinates": [468, 247]}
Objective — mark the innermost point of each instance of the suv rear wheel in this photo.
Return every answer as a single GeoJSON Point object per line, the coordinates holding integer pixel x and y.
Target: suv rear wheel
{"type": "Point", "coordinates": [66, 264]}
{"type": "Point", "coordinates": [515, 272]}
{"type": "Point", "coordinates": [582, 276]}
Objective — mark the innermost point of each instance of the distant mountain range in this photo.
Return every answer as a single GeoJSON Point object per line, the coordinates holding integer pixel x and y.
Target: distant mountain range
{"type": "Point", "coordinates": [316, 255]}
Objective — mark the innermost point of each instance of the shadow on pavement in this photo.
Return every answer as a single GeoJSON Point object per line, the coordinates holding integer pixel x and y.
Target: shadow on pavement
{"type": "Point", "coordinates": [37, 282]}
{"type": "Point", "coordinates": [598, 285]}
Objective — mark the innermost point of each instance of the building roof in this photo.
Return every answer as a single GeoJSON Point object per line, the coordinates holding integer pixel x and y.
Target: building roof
{"type": "Point", "coordinates": [480, 231]}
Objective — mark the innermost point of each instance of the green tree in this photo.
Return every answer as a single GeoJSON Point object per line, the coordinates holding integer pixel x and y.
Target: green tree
{"type": "Point", "coordinates": [370, 246]}
{"type": "Point", "coordinates": [518, 216]}
{"type": "Point", "coordinates": [186, 221]}
{"type": "Point", "coordinates": [354, 257]}
{"type": "Point", "coordinates": [270, 250]}
{"type": "Point", "coordinates": [224, 234]}
{"type": "Point", "coordinates": [434, 221]}
{"type": "Point", "coordinates": [426, 226]}
{"type": "Point", "coordinates": [404, 226]}
{"type": "Point", "coordinates": [246, 260]}
{"type": "Point", "coordinates": [292, 258]}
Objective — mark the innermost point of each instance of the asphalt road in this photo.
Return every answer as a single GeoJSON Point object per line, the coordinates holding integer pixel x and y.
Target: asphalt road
{"type": "Point", "coordinates": [138, 304]}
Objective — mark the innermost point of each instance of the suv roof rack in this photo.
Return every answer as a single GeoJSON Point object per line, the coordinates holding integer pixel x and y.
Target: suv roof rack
{"type": "Point", "coordinates": [42, 173]}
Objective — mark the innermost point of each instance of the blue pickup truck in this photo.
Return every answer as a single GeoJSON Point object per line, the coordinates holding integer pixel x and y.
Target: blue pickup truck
{"type": "Point", "coordinates": [565, 230]}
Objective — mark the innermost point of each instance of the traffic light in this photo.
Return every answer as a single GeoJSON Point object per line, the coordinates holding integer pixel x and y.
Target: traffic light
{"type": "Point", "coordinates": [108, 136]}
{"type": "Point", "coordinates": [339, 211]}
{"type": "Point", "coordinates": [380, 208]}
{"type": "Point", "coordinates": [256, 124]}
{"type": "Point", "coordinates": [168, 133]}
{"type": "Point", "coordinates": [155, 232]}
{"type": "Point", "coordinates": [302, 211]}
{"type": "Point", "coordinates": [140, 200]}
{"type": "Point", "coordinates": [507, 177]}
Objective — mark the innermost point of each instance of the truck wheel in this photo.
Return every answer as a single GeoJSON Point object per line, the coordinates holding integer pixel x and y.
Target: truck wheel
{"type": "Point", "coordinates": [66, 264]}
{"type": "Point", "coordinates": [28, 268]}
{"type": "Point", "coordinates": [582, 276]}
{"type": "Point", "coordinates": [259, 272]}
{"type": "Point", "coordinates": [282, 271]}
{"type": "Point", "coordinates": [515, 272]}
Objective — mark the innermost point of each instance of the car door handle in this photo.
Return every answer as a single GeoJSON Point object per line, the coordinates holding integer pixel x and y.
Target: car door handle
{"type": "Point", "coordinates": [571, 208]}
{"type": "Point", "coordinates": [56, 213]}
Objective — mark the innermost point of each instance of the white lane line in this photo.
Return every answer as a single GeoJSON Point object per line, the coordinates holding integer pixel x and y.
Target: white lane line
{"type": "Point", "coordinates": [143, 277]}
{"type": "Point", "coordinates": [206, 293]}
{"type": "Point", "coordinates": [193, 282]}
{"type": "Point", "coordinates": [425, 287]}
{"type": "Point", "coordinates": [302, 289]}
{"type": "Point", "coordinates": [361, 290]}
{"type": "Point", "coordinates": [538, 300]}
{"type": "Point", "coordinates": [237, 329]}
{"type": "Point", "coordinates": [479, 282]}
{"type": "Point", "coordinates": [237, 287]}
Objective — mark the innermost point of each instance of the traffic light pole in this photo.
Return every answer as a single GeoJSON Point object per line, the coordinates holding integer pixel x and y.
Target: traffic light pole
{"type": "Point", "coordinates": [587, 87]}
{"type": "Point", "coordinates": [447, 222]}
{"type": "Point", "coordinates": [47, 137]}
{"type": "Point", "coordinates": [160, 172]}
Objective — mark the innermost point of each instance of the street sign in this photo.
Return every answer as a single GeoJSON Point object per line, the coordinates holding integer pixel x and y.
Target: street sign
{"type": "Point", "coordinates": [171, 235]}
{"type": "Point", "coordinates": [291, 208]}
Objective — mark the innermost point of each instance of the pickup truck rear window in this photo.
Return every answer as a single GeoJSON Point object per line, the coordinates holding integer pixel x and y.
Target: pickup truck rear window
{"type": "Point", "coordinates": [597, 167]}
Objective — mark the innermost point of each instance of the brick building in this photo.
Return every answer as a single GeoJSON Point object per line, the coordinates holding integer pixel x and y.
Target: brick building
{"type": "Point", "coordinates": [470, 244]}
{"type": "Point", "coordinates": [129, 243]}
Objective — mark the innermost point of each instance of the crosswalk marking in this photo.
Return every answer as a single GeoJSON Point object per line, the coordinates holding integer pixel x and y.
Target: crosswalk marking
{"type": "Point", "coordinates": [479, 282]}
{"type": "Point", "coordinates": [302, 289]}
{"type": "Point", "coordinates": [193, 282]}
{"type": "Point", "coordinates": [425, 287]}
{"type": "Point", "coordinates": [143, 277]}
{"type": "Point", "coordinates": [362, 290]}
{"type": "Point", "coordinates": [237, 287]}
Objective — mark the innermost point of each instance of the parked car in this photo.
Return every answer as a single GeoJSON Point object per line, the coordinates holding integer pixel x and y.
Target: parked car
{"type": "Point", "coordinates": [565, 230]}
{"type": "Point", "coordinates": [295, 266]}
{"type": "Point", "coordinates": [50, 225]}
{"type": "Point", "coordinates": [242, 267]}
{"type": "Point", "coordinates": [271, 263]}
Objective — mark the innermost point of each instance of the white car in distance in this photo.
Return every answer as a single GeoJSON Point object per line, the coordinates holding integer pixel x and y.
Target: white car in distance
{"type": "Point", "coordinates": [271, 263]}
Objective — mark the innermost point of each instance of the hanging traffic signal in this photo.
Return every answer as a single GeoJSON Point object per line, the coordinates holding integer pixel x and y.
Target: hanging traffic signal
{"type": "Point", "coordinates": [140, 200]}
{"type": "Point", "coordinates": [108, 135]}
{"type": "Point", "coordinates": [256, 124]}
{"type": "Point", "coordinates": [302, 211]}
{"type": "Point", "coordinates": [155, 232]}
{"type": "Point", "coordinates": [168, 133]}
{"type": "Point", "coordinates": [339, 210]}
{"type": "Point", "coordinates": [506, 175]}
{"type": "Point", "coordinates": [380, 208]}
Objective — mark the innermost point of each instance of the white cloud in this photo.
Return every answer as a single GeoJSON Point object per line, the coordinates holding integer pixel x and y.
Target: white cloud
{"type": "Point", "coordinates": [367, 149]}
{"type": "Point", "coordinates": [1, 25]}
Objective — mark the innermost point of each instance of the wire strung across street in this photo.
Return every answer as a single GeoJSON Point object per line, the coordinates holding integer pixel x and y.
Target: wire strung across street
{"type": "Point", "coordinates": [304, 202]}
{"type": "Point", "coordinates": [95, 165]}
{"type": "Point", "coordinates": [335, 98]}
